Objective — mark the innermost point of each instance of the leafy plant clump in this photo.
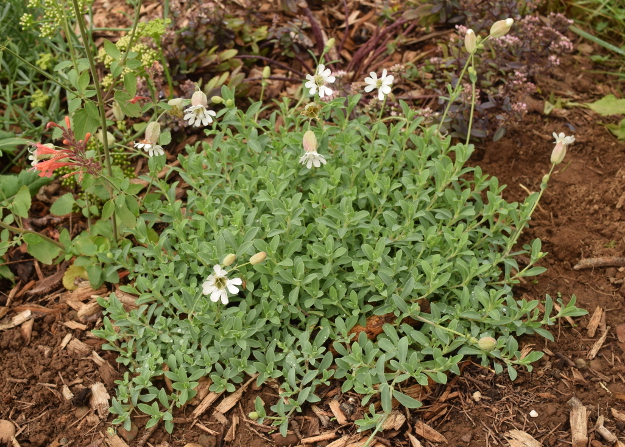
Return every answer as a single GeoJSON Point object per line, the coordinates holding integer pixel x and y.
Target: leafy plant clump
{"type": "Point", "coordinates": [393, 225]}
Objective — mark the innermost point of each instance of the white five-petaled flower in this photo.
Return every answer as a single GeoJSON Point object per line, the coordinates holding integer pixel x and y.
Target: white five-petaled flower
{"type": "Point", "coordinates": [311, 159]}
{"type": "Point", "coordinates": [151, 148]}
{"type": "Point", "coordinates": [198, 113]}
{"type": "Point", "coordinates": [561, 138]}
{"type": "Point", "coordinates": [383, 84]}
{"type": "Point", "coordinates": [322, 76]}
{"type": "Point", "coordinates": [152, 134]}
{"type": "Point", "coordinates": [218, 285]}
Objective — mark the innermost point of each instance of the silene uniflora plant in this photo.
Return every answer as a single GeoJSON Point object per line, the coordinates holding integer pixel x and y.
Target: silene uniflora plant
{"type": "Point", "coordinates": [297, 226]}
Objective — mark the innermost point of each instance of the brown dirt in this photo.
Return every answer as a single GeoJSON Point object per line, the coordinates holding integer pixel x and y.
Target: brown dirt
{"type": "Point", "coordinates": [579, 217]}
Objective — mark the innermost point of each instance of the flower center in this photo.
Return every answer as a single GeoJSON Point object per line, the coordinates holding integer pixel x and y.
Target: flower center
{"type": "Point", "coordinates": [220, 282]}
{"type": "Point", "coordinates": [199, 111]}
{"type": "Point", "coordinates": [319, 80]}
{"type": "Point", "coordinates": [379, 83]}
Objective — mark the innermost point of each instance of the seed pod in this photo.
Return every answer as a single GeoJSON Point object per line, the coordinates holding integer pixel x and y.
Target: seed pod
{"type": "Point", "coordinates": [470, 41]}
{"type": "Point", "coordinates": [229, 259]}
{"type": "Point", "coordinates": [501, 28]}
{"type": "Point", "coordinates": [558, 154]}
{"type": "Point", "coordinates": [487, 343]}
{"type": "Point", "coordinates": [199, 99]}
{"type": "Point", "coordinates": [153, 132]}
{"type": "Point", "coordinates": [310, 141]}
{"type": "Point", "coordinates": [258, 258]}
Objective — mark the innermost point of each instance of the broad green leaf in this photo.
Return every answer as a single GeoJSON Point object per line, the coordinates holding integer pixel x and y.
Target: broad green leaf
{"type": "Point", "coordinates": [63, 205]}
{"type": "Point", "coordinates": [21, 202]}
{"type": "Point", "coordinates": [608, 105]}
{"type": "Point", "coordinates": [41, 249]}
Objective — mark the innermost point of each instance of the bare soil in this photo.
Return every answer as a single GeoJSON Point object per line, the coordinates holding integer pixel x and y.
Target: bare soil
{"type": "Point", "coordinates": [580, 216]}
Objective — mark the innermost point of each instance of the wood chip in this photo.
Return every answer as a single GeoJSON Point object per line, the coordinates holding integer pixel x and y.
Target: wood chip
{"type": "Point", "coordinates": [617, 415]}
{"type": "Point", "coordinates": [17, 320]}
{"type": "Point", "coordinates": [345, 441]}
{"type": "Point", "coordinates": [65, 341]}
{"type": "Point", "coordinates": [578, 378]}
{"type": "Point", "coordinates": [394, 421]}
{"type": "Point", "coordinates": [220, 418]}
{"type": "Point", "coordinates": [579, 422]}
{"type": "Point", "coordinates": [231, 400]}
{"type": "Point", "coordinates": [518, 438]}
{"type": "Point", "coordinates": [88, 310]}
{"type": "Point", "coordinates": [205, 404]}
{"type": "Point", "coordinates": [620, 332]}
{"type": "Point", "coordinates": [593, 324]}
{"type": "Point", "coordinates": [75, 325]}
{"type": "Point", "coordinates": [414, 442]}
{"type": "Point", "coordinates": [83, 292]}
{"type": "Point", "coordinates": [26, 331]}
{"type": "Point", "coordinates": [323, 418]}
{"type": "Point", "coordinates": [335, 408]}
{"type": "Point", "coordinates": [66, 392]}
{"type": "Point", "coordinates": [100, 400]}
{"type": "Point", "coordinates": [427, 432]}
{"type": "Point", "coordinates": [598, 344]}
{"type": "Point", "coordinates": [604, 432]}
{"type": "Point", "coordinates": [48, 284]}
{"type": "Point", "coordinates": [231, 435]}
{"type": "Point", "coordinates": [78, 348]}
{"type": "Point", "coordinates": [322, 437]}
{"type": "Point", "coordinates": [114, 441]}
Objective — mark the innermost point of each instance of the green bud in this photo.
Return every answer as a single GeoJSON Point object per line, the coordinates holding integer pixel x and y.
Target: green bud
{"type": "Point", "coordinates": [217, 99]}
{"type": "Point", "coordinates": [230, 103]}
{"type": "Point", "coordinates": [253, 415]}
{"type": "Point", "coordinates": [501, 28]}
{"type": "Point", "coordinates": [487, 343]}
{"type": "Point", "coordinates": [258, 258]}
{"type": "Point", "coordinates": [109, 255]}
{"type": "Point", "coordinates": [266, 72]}
{"type": "Point", "coordinates": [330, 43]}
{"type": "Point", "coordinates": [117, 111]}
{"type": "Point", "coordinates": [545, 178]}
{"type": "Point", "coordinates": [229, 259]}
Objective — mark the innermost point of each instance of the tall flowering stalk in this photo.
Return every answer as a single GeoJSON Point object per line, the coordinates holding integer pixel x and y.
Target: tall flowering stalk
{"type": "Point", "coordinates": [74, 155]}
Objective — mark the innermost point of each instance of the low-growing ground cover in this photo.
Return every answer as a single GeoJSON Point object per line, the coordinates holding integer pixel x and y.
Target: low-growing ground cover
{"type": "Point", "coordinates": [168, 263]}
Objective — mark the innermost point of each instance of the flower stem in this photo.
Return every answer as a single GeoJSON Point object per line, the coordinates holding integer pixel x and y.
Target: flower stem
{"type": "Point", "coordinates": [23, 231]}
{"type": "Point", "coordinates": [96, 82]}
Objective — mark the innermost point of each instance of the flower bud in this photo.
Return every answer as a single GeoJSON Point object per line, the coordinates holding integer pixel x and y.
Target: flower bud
{"type": "Point", "coordinates": [229, 103]}
{"type": "Point", "coordinates": [545, 178]}
{"type": "Point", "coordinates": [558, 153]}
{"type": "Point", "coordinates": [330, 43]}
{"type": "Point", "coordinates": [470, 41]}
{"type": "Point", "coordinates": [229, 259]}
{"type": "Point", "coordinates": [258, 258]}
{"type": "Point", "coordinates": [217, 99]}
{"type": "Point", "coordinates": [310, 141]}
{"type": "Point", "coordinates": [266, 72]}
{"type": "Point", "coordinates": [199, 99]}
{"type": "Point", "coordinates": [253, 415]}
{"type": "Point", "coordinates": [117, 111]}
{"type": "Point", "coordinates": [487, 343]}
{"type": "Point", "coordinates": [176, 105]}
{"type": "Point", "coordinates": [153, 132]}
{"type": "Point", "coordinates": [110, 139]}
{"type": "Point", "coordinates": [501, 28]}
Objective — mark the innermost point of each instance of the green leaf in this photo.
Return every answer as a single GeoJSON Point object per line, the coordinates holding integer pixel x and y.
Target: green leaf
{"type": "Point", "coordinates": [83, 124]}
{"type": "Point", "coordinates": [63, 205]}
{"type": "Point", "coordinates": [41, 249]}
{"type": "Point", "coordinates": [617, 129]}
{"type": "Point", "coordinates": [608, 105]}
{"type": "Point", "coordinates": [406, 400]}
{"type": "Point", "coordinates": [130, 109]}
{"type": "Point", "coordinates": [112, 50]}
{"type": "Point", "coordinates": [130, 84]}
{"type": "Point", "coordinates": [21, 202]}
{"type": "Point", "coordinates": [71, 274]}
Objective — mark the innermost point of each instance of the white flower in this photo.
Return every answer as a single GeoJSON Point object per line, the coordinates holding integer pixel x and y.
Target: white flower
{"type": "Point", "coordinates": [563, 139]}
{"type": "Point", "coordinates": [383, 84]}
{"type": "Point", "coordinates": [151, 148]}
{"type": "Point", "coordinates": [322, 76]}
{"type": "Point", "coordinates": [198, 113]}
{"type": "Point", "coordinates": [218, 285]}
{"type": "Point", "coordinates": [312, 158]}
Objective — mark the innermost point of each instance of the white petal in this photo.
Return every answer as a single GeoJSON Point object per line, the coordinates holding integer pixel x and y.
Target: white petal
{"type": "Point", "coordinates": [386, 89]}
{"type": "Point", "coordinates": [369, 81]}
{"type": "Point", "coordinates": [207, 288]}
{"type": "Point", "coordinates": [236, 281]}
{"type": "Point", "coordinates": [384, 73]}
{"type": "Point", "coordinates": [380, 95]}
{"type": "Point", "coordinates": [369, 88]}
{"type": "Point", "coordinates": [320, 69]}
{"type": "Point", "coordinates": [224, 297]}
{"type": "Point", "coordinates": [374, 76]}
{"type": "Point", "coordinates": [309, 163]}
{"type": "Point", "coordinates": [232, 288]}
{"type": "Point", "coordinates": [330, 79]}
{"type": "Point", "coordinates": [217, 270]}
{"type": "Point", "coordinates": [215, 295]}
{"type": "Point", "coordinates": [316, 162]}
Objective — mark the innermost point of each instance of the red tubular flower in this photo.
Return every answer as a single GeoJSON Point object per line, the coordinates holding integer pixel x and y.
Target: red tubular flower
{"type": "Point", "coordinates": [47, 167]}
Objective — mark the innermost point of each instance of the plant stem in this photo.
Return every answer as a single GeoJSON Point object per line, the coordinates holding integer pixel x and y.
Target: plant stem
{"type": "Point", "coordinates": [23, 231]}
{"type": "Point", "coordinates": [86, 39]}
{"type": "Point", "coordinates": [472, 104]}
